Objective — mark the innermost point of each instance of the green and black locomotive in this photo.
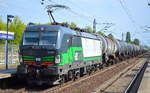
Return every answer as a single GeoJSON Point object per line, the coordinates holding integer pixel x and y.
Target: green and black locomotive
{"type": "Point", "coordinates": [53, 54]}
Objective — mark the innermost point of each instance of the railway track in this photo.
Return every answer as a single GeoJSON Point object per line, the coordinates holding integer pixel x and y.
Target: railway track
{"type": "Point", "coordinates": [85, 84]}
{"type": "Point", "coordinates": [135, 83]}
{"type": "Point", "coordinates": [120, 82]}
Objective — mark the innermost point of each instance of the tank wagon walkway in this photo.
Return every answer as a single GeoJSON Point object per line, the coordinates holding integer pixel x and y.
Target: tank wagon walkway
{"type": "Point", "coordinates": [7, 73]}
{"type": "Point", "coordinates": [145, 83]}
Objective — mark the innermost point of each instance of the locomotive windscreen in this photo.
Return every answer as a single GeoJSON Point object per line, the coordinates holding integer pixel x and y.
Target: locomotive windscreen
{"type": "Point", "coordinates": [40, 38]}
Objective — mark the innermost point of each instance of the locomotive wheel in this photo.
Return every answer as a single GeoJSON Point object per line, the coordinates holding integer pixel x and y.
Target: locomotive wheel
{"type": "Point", "coordinates": [70, 75]}
{"type": "Point", "coordinates": [77, 75]}
{"type": "Point", "coordinates": [62, 81]}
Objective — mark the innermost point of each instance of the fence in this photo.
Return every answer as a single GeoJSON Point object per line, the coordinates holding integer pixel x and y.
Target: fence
{"type": "Point", "coordinates": [13, 57]}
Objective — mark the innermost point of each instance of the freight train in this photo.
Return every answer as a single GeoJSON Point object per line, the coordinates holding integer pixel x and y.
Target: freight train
{"type": "Point", "coordinates": [54, 54]}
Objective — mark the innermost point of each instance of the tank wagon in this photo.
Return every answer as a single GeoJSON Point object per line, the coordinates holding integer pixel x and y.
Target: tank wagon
{"type": "Point", "coordinates": [53, 54]}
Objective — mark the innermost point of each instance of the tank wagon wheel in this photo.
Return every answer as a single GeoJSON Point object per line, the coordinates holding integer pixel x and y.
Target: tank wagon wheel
{"type": "Point", "coordinates": [121, 59]}
{"type": "Point", "coordinates": [100, 66]}
{"type": "Point", "coordinates": [116, 61]}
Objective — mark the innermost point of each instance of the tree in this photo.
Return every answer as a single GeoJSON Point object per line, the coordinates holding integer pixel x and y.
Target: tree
{"type": "Point", "coordinates": [136, 41]}
{"type": "Point", "coordinates": [65, 23]}
{"type": "Point", "coordinates": [2, 27]}
{"type": "Point", "coordinates": [101, 33]}
{"type": "Point", "coordinates": [73, 25]}
{"type": "Point", "coordinates": [17, 27]}
{"type": "Point", "coordinates": [110, 35]}
{"type": "Point", "coordinates": [88, 29]}
{"type": "Point", "coordinates": [128, 37]}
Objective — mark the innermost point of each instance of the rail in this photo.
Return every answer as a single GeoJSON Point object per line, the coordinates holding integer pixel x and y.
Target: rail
{"type": "Point", "coordinates": [134, 84]}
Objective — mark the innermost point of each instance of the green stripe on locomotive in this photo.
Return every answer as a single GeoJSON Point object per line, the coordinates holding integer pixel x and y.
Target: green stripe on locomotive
{"type": "Point", "coordinates": [45, 58]}
{"type": "Point", "coordinates": [93, 58]}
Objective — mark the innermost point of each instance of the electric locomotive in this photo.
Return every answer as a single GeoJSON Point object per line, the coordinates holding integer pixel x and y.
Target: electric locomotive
{"type": "Point", "coordinates": [53, 54]}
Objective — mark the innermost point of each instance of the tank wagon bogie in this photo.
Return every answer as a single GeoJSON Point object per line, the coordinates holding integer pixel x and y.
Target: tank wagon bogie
{"type": "Point", "coordinates": [53, 54]}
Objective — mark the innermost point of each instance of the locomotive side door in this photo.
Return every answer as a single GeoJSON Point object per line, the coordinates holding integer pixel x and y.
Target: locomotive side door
{"type": "Point", "coordinates": [76, 49]}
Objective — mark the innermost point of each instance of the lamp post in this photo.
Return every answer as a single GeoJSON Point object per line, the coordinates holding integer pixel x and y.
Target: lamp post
{"type": "Point", "coordinates": [6, 46]}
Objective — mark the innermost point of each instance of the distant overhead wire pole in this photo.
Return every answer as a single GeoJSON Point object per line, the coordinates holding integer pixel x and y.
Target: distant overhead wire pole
{"type": "Point", "coordinates": [94, 25]}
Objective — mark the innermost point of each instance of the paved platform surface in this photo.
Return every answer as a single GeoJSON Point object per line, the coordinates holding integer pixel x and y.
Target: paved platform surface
{"type": "Point", "coordinates": [145, 83]}
{"type": "Point", "coordinates": [7, 73]}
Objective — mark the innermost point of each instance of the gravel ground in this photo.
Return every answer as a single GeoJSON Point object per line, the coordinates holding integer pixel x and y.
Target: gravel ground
{"type": "Point", "coordinates": [122, 83]}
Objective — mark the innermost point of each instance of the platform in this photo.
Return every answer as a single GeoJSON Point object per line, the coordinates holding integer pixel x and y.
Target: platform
{"type": "Point", "coordinates": [145, 83]}
{"type": "Point", "coordinates": [7, 73]}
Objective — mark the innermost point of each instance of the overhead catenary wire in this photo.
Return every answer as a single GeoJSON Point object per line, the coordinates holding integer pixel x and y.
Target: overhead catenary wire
{"type": "Point", "coordinates": [83, 14]}
{"type": "Point", "coordinates": [122, 3]}
{"type": "Point", "coordinates": [89, 16]}
{"type": "Point", "coordinates": [126, 10]}
{"type": "Point", "coordinates": [81, 9]}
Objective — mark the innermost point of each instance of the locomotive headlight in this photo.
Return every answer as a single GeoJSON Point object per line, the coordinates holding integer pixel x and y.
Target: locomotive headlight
{"type": "Point", "coordinates": [57, 59]}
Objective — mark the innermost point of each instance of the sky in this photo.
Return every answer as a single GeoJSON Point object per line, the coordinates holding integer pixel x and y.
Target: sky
{"type": "Point", "coordinates": [126, 15]}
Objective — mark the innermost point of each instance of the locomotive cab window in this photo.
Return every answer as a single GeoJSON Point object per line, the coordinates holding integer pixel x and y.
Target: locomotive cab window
{"type": "Point", "coordinates": [31, 38]}
{"type": "Point", "coordinates": [48, 38]}
{"type": "Point", "coordinates": [40, 38]}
